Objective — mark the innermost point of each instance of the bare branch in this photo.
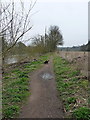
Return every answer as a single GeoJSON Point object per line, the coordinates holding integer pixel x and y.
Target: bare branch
{"type": "Point", "coordinates": [16, 40]}
{"type": "Point", "coordinates": [14, 24]}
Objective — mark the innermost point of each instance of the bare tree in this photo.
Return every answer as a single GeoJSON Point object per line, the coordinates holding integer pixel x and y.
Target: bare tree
{"type": "Point", "coordinates": [39, 43]}
{"type": "Point", "coordinates": [55, 37]}
{"type": "Point", "coordinates": [15, 22]}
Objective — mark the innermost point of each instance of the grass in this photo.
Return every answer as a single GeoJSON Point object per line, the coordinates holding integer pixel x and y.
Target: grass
{"type": "Point", "coordinates": [16, 87]}
{"type": "Point", "coordinates": [82, 113]}
{"type": "Point", "coordinates": [72, 91]}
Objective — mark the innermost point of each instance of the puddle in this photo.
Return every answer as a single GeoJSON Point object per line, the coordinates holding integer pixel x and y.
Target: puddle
{"type": "Point", "coordinates": [47, 76]}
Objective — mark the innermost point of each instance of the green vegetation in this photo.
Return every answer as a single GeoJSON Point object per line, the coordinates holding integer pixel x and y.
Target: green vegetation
{"type": "Point", "coordinates": [82, 113]}
{"type": "Point", "coordinates": [16, 86]}
{"type": "Point", "coordinates": [72, 90]}
{"type": "Point", "coordinates": [48, 43]}
{"type": "Point", "coordinates": [71, 100]}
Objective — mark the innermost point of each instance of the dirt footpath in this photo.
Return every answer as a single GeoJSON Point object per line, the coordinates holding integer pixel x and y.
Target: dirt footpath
{"type": "Point", "coordinates": [43, 101]}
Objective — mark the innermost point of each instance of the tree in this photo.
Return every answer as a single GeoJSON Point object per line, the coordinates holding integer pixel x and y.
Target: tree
{"type": "Point", "coordinates": [14, 24]}
{"type": "Point", "coordinates": [55, 38]}
{"type": "Point", "coordinates": [19, 49]}
{"type": "Point", "coordinates": [39, 43]}
{"type": "Point", "coordinates": [49, 42]}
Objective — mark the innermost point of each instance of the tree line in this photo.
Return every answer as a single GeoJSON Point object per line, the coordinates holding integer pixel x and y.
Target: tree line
{"type": "Point", "coordinates": [77, 48]}
{"type": "Point", "coordinates": [40, 44]}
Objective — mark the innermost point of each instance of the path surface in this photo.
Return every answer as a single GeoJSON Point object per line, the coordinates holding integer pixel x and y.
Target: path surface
{"type": "Point", "coordinates": [43, 102]}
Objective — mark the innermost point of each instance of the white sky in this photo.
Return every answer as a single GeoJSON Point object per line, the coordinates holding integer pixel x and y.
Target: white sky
{"type": "Point", "coordinates": [70, 15]}
{"type": "Point", "coordinates": [89, 20]}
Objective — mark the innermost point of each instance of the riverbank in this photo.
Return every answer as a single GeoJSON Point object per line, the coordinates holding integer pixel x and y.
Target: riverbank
{"type": "Point", "coordinates": [16, 83]}
{"type": "Point", "coordinates": [79, 59]}
{"type": "Point", "coordinates": [71, 85]}
{"type": "Point", "coordinates": [73, 89]}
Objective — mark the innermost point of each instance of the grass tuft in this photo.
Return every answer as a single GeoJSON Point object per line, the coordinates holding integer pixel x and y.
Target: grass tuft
{"type": "Point", "coordinates": [82, 113]}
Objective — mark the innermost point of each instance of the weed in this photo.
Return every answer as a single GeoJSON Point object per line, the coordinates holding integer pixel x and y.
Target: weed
{"type": "Point", "coordinates": [74, 73]}
{"type": "Point", "coordinates": [71, 100]}
{"type": "Point", "coordinates": [16, 71]}
{"type": "Point", "coordinates": [10, 111]}
{"type": "Point", "coordinates": [67, 106]}
{"type": "Point", "coordinates": [74, 79]}
{"type": "Point", "coordinates": [82, 113]}
{"type": "Point", "coordinates": [23, 75]}
{"type": "Point", "coordinates": [6, 77]}
{"type": "Point", "coordinates": [69, 86]}
{"type": "Point", "coordinates": [84, 84]}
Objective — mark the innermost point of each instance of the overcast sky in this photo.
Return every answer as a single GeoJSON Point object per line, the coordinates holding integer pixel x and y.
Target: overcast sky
{"type": "Point", "coordinates": [88, 20]}
{"type": "Point", "coordinates": [71, 17]}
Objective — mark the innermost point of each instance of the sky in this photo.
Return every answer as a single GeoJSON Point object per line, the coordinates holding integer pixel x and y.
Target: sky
{"type": "Point", "coordinates": [88, 21]}
{"type": "Point", "coordinates": [70, 16]}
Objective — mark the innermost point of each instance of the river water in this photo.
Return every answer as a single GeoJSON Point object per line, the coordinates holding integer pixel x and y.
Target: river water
{"type": "Point", "coordinates": [14, 59]}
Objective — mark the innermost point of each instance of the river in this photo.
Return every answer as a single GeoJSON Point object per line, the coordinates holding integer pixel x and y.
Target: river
{"type": "Point", "coordinates": [14, 58]}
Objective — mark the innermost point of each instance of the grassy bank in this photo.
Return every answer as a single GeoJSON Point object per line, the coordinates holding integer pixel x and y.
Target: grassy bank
{"type": "Point", "coordinates": [73, 89]}
{"type": "Point", "coordinates": [16, 86]}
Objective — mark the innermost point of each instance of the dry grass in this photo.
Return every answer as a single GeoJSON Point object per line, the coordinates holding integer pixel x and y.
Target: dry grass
{"type": "Point", "coordinates": [79, 59]}
{"type": "Point", "coordinates": [73, 89]}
